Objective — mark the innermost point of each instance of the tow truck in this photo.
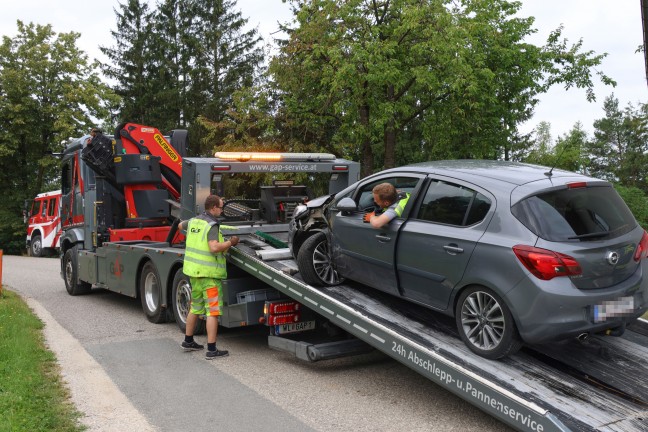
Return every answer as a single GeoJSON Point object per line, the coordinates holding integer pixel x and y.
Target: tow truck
{"type": "Point", "coordinates": [119, 233]}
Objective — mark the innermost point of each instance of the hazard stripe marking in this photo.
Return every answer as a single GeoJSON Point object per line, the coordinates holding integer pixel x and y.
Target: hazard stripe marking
{"type": "Point", "coordinates": [344, 319]}
{"type": "Point", "coordinates": [295, 291]}
{"type": "Point", "coordinates": [310, 300]}
{"type": "Point", "coordinates": [327, 310]}
{"type": "Point", "coordinates": [363, 330]}
{"type": "Point", "coordinates": [378, 338]}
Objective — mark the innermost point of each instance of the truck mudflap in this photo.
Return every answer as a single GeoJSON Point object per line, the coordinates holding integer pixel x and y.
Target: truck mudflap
{"type": "Point", "coordinates": [522, 391]}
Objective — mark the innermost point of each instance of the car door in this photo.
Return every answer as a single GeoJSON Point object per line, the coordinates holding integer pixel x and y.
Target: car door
{"type": "Point", "coordinates": [438, 239]}
{"type": "Point", "coordinates": [366, 254]}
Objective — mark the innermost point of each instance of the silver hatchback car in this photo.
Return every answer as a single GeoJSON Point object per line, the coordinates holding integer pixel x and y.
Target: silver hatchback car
{"type": "Point", "coordinates": [516, 253]}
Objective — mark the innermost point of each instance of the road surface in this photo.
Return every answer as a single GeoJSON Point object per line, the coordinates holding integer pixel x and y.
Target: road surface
{"type": "Point", "coordinates": [123, 370]}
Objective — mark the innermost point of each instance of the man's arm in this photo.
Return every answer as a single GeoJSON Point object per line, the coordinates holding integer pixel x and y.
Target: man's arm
{"type": "Point", "coordinates": [215, 246]}
{"type": "Point", "coordinates": [382, 220]}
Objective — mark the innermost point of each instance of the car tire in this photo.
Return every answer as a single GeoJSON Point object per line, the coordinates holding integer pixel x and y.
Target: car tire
{"type": "Point", "coordinates": [181, 303]}
{"type": "Point", "coordinates": [486, 324]}
{"type": "Point", "coordinates": [299, 240]}
{"type": "Point", "coordinates": [151, 294]}
{"type": "Point", "coordinates": [73, 285]}
{"type": "Point", "coordinates": [36, 246]}
{"type": "Point", "coordinates": [315, 263]}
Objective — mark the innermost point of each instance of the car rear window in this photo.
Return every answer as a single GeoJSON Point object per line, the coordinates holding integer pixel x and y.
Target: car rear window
{"type": "Point", "coordinates": [576, 214]}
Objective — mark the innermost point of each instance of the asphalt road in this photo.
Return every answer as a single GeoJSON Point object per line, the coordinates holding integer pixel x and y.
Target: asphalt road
{"type": "Point", "coordinates": [123, 370]}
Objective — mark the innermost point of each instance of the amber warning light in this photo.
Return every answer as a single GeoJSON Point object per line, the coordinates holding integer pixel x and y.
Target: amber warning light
{"type": "Point", "coordinates": [273, 157]}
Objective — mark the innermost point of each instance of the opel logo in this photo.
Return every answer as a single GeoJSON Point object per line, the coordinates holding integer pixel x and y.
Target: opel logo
{"type": "Point", "coordinates": [612, 258]}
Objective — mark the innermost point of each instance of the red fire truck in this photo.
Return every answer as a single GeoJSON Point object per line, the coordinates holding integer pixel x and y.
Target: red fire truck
{"type": "Point", "coordinates": [44, 224]}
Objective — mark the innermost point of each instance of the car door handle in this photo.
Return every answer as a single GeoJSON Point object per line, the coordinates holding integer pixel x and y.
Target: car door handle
{"type": "Point", "coordinates": [453, 250]}
{"type": "Point", "coordinates": [383, 238]}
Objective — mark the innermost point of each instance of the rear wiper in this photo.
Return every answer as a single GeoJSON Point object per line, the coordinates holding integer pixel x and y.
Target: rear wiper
{"type": "Point", "coordinates": [590, 235]}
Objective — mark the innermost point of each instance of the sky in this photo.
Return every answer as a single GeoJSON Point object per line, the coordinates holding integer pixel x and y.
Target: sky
{"type": "Point", "coordinates": [605, 26]}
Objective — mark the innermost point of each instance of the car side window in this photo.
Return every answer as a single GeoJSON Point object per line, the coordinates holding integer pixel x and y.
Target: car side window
{"type": "Point", "coordinates": [52, 207]}
{"type": "Point", "coordinates": [364, 196]}
{"type": "Point", "coordinates": [453, 204]}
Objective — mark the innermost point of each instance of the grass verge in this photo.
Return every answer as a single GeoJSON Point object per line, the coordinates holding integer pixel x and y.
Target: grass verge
{"type": "Point", "coordinates": [32, 395]}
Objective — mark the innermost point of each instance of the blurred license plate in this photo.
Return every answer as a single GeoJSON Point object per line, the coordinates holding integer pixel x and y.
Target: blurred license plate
{"type": "Point", "coordinates": [295, 327]}
{"type": "Point", "coordinates": [613, 308]}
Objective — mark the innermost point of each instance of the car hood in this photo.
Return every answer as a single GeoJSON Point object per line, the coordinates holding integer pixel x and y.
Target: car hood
{"type": "Point", "coordinates": [319, 201]}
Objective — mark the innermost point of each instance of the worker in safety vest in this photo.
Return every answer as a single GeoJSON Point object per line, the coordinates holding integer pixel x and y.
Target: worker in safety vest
{"type": "Point", "coordinates": [204, 263]}
{"type": "Point", "coordinates": [390, 203]}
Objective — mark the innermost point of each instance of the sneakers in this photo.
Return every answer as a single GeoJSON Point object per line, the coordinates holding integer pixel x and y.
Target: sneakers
{"type": "Point", "coordinates": [191, 346]}
{"type": "Point", "coordinates": [210, 355]}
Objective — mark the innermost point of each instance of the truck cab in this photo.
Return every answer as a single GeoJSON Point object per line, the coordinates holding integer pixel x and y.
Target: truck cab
{"type": "Point", "coordinates": [44, 224]}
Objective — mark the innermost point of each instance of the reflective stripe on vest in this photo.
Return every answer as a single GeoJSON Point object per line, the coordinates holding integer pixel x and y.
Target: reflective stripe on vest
{"type": "Point", "coordinates": [401, 205]}
{"type": "Point", "coordinates": [199, 261]}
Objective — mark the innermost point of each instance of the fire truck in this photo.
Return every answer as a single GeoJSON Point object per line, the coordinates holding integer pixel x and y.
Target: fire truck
{"type": "Point", "coordinates": [122, 198]}
{"type": "Point", "coordinates": [43, 224]}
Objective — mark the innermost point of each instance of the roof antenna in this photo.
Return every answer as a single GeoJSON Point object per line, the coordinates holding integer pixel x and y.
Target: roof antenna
{"type": "Point", "coordinates": [550, 172]}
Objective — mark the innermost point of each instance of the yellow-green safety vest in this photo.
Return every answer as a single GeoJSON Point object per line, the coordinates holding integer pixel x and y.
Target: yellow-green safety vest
{"type": "Point", "coordinates": [198, 260]}
{"type": "Point", "coordinates": [400, 206]}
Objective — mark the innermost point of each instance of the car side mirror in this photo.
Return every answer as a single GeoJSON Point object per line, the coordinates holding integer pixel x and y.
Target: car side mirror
{"type": "Point", "coordinates": [347, 206]}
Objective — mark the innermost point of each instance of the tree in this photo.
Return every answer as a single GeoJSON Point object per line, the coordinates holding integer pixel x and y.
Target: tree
{"type": "Point", "coordinates": [49, 92]}
{"type": "Point", "coordinates": [619, 149]}
{"type": "Point", "coordinates": [131, 66]}
{"type": "Point", "coordinates": [421, 79]}
{"type": "Point", "coordinates": [227, 59]}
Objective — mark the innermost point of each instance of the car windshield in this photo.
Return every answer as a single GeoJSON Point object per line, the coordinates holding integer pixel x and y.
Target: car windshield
{"type": "Point", "coordinates": [578, 214]}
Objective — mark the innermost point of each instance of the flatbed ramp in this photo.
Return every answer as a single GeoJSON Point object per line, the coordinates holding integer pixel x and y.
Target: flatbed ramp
{"type": "Point", "coordinates": [597, 385]}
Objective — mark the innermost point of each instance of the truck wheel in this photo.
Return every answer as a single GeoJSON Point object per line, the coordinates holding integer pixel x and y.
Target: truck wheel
{"type": "Point", "coordinates": [314, 262]}
{"type": "Point", "coordinates": [71, 273]}
{"type": "Point", "coordinates": [181, 303]}
{"type": "Point", "coordinates": [36, 246]}
{"type": "Point", "coordinates": [485, 324]}
{"type": "Point", "coordinates": [151, 294]}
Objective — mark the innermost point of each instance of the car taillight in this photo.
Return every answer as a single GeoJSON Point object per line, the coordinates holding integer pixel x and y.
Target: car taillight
{"type": "Point", "coordinates": [546, 264]}
{"type": "Point", "coordinates": [642, 248]}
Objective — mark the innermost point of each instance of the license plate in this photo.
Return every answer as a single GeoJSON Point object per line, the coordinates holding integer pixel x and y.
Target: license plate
{"type": "Point", "coordinates": [295, 327]}
{"type": "Point", "coordinates": [613, 308]}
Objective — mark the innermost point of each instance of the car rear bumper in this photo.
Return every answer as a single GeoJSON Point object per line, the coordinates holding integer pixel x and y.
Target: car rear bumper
{"type": "Point", "coordinates": [554, 313]}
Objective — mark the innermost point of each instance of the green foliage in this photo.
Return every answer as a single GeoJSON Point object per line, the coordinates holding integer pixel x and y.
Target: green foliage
{"type": "Point", "coordinates": [407, 80]}
{"type": "Point", "coordinates": [637, 200]}
{"type": "Point", "coordinates": [32, 396]}
{"type": "Point", "coordinates": [568, 153]}
{"type": "Point", "coordinates": [180, 62]}
{"type": "Point", "coordinates": [49, 92]}
{"type": "Point", "coordinates": [619, 150]}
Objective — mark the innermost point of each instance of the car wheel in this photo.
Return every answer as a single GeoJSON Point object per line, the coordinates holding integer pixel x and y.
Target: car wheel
{"type": "Point", "coordinates": [315, 263]}
{"type": "Point", "coordinates": [151, 294]}
{"type": "Point", "coordinates": [485, 324]}
{"type": "Point", "coordinates": [36, 246]}
{"type": "Point", "coordinates": [299, 240]}
{"type": "Point", "coordinates": [181, 303]}
{"type": "Point", "coordinates": [71, 271]}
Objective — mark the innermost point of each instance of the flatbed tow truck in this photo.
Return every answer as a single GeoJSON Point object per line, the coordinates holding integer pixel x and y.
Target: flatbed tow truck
{"type": "Point", "coordinates": [600, 384]}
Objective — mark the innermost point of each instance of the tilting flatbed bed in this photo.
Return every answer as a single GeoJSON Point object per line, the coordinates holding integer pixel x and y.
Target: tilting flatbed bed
{"type": "Point", "coordinates": [600, 384]}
